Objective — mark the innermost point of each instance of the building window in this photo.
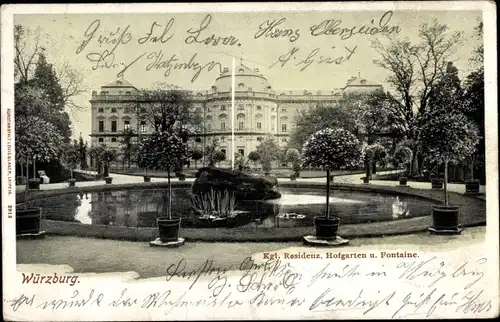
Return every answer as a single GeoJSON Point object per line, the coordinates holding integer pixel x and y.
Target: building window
{"type": "Point", "coordinates": [272, 109]}
{"type": "Point", "coordinates": [113, 139]}
{"type": "Point", "coordinates": [143, 110]}
{"type": "Point", "coordinates": [241, 85]}
{"type": "Point", "coordinates": [198, 110]}
{"type": "Point", "coordinates": [223, 151]}
{"type": "Point", "coordinates": [240, 125]}
{"type": "Point", "coordinates": [241, 107]}
{"type": "Point", "coordinates": [259, 107]}
{"type": "Point", "coordinates": [283, 109]}
{"type": "Point", "coordinates": [241, 151]}
{"type": "Point", "coordinates": [143, 126]}
{"type": "Point", "coordinates": [126, 124]}
{"type": "Point", "coordinates": [101, 126]}
{"type": "Point", "coordinates": [283, 140]}
{"type": "Point", "coordinates": [209, 127]}
{"type": "Point", "coordinates": [273, 128]}
{"type": "Point", "coordinates": [100, 110]}
{"type": "Point", "coordinates": [223, 107]}
{"type": "Point", "coordinates": [283, 127]}
{"type": "Point", "coordinates": [222, 126]}
{"type": "Point", "coordinates": [128, 93]}
{"type": "Point", "coordinates": [126, 110]}
{"type": "Point", "coordinates": [259, 126]}
{"type": "Point", "coordinates": [209, 110]}
{"type": "Point", "coordinates": [223, 139]}
{"type": "Point", "coordinates": [100, 139]}
{"type": "Point", "coordinates": [113, 110]}
{"type": "Point", "coordinates": [113, 126]}
{"type": "Point", "coordinates": [259, 139]}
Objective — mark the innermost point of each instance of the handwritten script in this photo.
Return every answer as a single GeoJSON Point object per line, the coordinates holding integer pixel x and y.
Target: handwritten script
{"type": "Point", "coordinates": [394, 288]}
{"type": "Point", "coordinates": [168, 48]}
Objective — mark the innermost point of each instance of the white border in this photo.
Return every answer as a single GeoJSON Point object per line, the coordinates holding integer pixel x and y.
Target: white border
{"type": "Point", "coordinates": [490, 54]}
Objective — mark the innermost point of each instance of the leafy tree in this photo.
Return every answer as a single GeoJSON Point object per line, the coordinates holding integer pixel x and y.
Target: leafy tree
{"type": "Point", "coordinates": [127, 145]}
{"type": "Point", "coordinates": [210, 150]}
{"type": "Point", "coordinates": [196, 155]}
{"type": "Point", "coordinates": [36, 139]}
{"type": "Point", "coordinates": [45, 78]}
{"type": "Point", "coordinates": [106, 156]}
{"type": "Point", "coordinates": [331, 149]}
{"type": "Point", "coordinates": [163, 151]}
{"type": "Point", "coordinates": [268, 150]}
{"type": "Point", "coordinates": [254, 157]}
{"type": "Point", "coordinates": [402, 157]}
{"type": "Point", "coordinates": [293, 156]}
{"type": "Point", "coordinates": [72, 156]}
{"type": "Point", "coordinates": [219, 156]}
{"type": "Point", "coordinates": [414, 69]}
{"type": "Point", "coordinates": [82, 150]}
{"type": "Point", "coordinates": [319, 117]}
{"type": "Point", "coordinates": [95, 152]}
{"type": "Point", "coordinates": [167, 109]}
{"type": "Point", "coordinates": [448, 138]}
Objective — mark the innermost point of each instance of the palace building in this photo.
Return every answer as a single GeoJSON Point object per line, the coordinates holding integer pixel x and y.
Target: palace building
{"type": "Point", "coordinates": [260, 110]}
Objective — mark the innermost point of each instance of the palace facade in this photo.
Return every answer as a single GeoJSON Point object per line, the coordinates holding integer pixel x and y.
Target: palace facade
{"type": "Point", "coordinates": [260, 110]}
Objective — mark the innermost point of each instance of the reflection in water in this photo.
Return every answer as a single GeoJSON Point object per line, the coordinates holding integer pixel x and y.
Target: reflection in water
{"type": "Point", "coordinates": [296, 208]}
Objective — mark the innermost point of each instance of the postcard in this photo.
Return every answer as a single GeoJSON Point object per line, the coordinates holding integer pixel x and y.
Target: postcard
{"type": "Point", "coordinates": [248, 161]}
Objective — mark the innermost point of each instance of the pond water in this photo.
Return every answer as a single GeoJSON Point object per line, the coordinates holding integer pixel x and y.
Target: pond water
{"type": "Point", "coordinates": [139, 208]}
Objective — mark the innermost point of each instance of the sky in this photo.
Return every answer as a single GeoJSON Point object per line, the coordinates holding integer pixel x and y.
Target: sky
{"type": "Point", "coordinates": [122, 41]}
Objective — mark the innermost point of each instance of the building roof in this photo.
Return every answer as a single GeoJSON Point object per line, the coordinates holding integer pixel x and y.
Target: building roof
{"type": "Point", "coordinates": [120, 83]}
{"type": "Point", "coordinates": [246, 79]}
{"type": "Point", "coordinates": [359, 81]}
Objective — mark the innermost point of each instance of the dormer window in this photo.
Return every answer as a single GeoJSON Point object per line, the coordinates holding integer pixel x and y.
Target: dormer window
{"type": "Point", "coordinates": [119, 83]}
{"type": "Point", "coordinates": [241, 70]}
{"type": "Point", "coordinates": [128, 93]}
{"type": "Point", "coordinates": [241, 85]}
{"type": "Point", "coordinates": [363, 81]}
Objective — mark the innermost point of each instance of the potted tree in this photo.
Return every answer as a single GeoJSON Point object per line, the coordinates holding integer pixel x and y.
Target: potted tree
{"type": "Point", "coordinates": [330, 149]}
{"type": "Point", "coordinates": [403, 156]}
{"type": "Point", "coordinates": [39, 138]}
{"type": "Point", "coordinates": [196, 155]}
{"type": "Point", "coordinates": [72, 158]}
{"type": "Point", "coordinates": [472, 185]}
{"type": "Point", "coordinates": [293, 156]}
{"type": "Point", "coordinates": [254, 157]}
{"type": "Point", "coordinates": [447, 138]}
{"type": "Point", "coordinates": [107, 155]}
{"type": "Point", "coordinates": [165, 151]}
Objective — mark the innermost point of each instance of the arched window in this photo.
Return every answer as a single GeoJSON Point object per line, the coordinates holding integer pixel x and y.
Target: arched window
{"type": "Point", "coordinates": [240, 116]}
{"type": "Point", "coordinates": [258, 116]}
{"type": "Point", "coordinates": [222, 116]}
{"type": "Point", "coordinates": [209, 117]}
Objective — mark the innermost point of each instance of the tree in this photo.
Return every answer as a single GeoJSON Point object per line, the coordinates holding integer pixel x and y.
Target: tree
{"type": "Point", "coordinates": [72, 156]}
{"type": "Point", "coordinates": [196, 155]}
{"type": "Point", "coordinates": [210, 149]}
{"type": "Point", "coordinates": [331, 149]}
{"type": "Point", "coordinates": [218, 157]}
{"type": "Point", "coordinates": [106, 156]}
{"type": "Point", "coordinates": [269, 151]}
{"type": "Point", "coordinates": [27, 48]}
{"type": "Point", "coordinates": [36, 139]}
{"type": "Point", "coordinates": [473, 99]}
{"type": "Point", "coordinates": [448, 137]}
{"type": "Point", "coordinates": [414, 70]}
{"type": "Point", "coordinates": [167, 109]}
{"type": "Point", "coordinates": [254, 157]}
{"type": "Point", "coordinates": [46, 79]}
{"type": "Point", "coordinates": [82, 150]}
{"type": "Point", "coordinates": [319, 117]}
{"type": "Point", "coordinates": [163, 151]}
{"type": "Point", "coordinates": [127, 145]}
{"type": "Point", "coordinates": [95, 152]}
{"type": "Point", "coordinates": [403, 156]}
{"type": "Point", "coordinates": [293, 156]}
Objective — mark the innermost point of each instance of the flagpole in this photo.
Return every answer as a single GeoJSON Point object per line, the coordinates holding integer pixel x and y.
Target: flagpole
{"type": "Point", "coordinates": [233, 81]}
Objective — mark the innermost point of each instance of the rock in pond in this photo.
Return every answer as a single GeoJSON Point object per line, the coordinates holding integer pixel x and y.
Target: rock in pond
{"type": "Point", "coordinates": [244, 185]}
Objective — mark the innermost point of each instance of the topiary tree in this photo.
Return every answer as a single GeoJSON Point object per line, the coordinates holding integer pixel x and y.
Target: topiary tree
{"type": "Point", "coordinates": [448, 137]}
{"type": "Point", "coordinates": [331, 149]}
{"type": "Point", "coordinates": [293, 156]}
{"type": "Point", "coordinates": [218, 157]}
{"type": "Point", "coordinates": [196, 155]}
{"type": "Point", "coordinates": [163, 151]}
{"type": "Point", "coordinates": [72, 156]}
{"type": "Point", "coordinates": [107, 156]}
{"type": "Point", "coordinates": [254, 156]}
{"type": "Point", "coordinates": [402, 157]}
{"type": "Point", "coordinates": [36, 139]}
